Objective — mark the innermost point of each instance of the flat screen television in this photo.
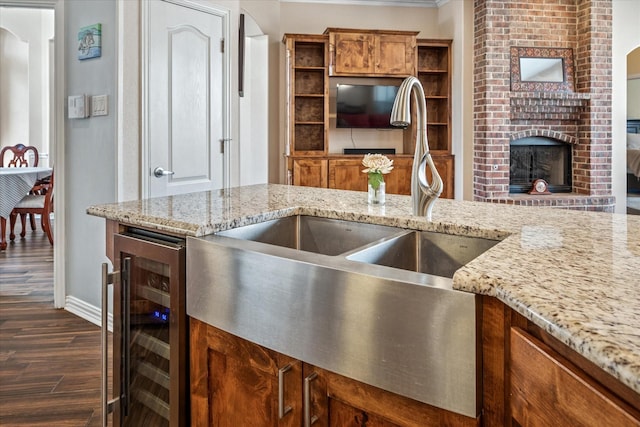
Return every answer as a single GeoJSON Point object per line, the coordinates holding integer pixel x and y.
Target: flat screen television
{"type": "Point", "coordinates": [362, 106]}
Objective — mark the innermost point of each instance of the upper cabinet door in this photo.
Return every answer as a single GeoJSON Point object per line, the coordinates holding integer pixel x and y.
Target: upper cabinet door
{"type": "Point", "coordinates": [395, 54]}
{"type": "Point", "coordinates": [372, 53]}
{"type": "Point", "coordinates": [353, 52]}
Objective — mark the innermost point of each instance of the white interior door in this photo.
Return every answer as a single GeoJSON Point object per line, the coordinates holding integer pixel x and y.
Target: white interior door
{"type": "Point", "coordinates": [186, 99]}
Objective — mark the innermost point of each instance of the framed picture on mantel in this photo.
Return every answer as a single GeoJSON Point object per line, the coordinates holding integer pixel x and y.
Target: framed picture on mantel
{"type": "Point", "coordinates": [542, 69]}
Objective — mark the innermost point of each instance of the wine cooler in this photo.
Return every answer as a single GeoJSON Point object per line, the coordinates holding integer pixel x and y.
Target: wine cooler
{"type": "Point", "coordinates": [150, 331]}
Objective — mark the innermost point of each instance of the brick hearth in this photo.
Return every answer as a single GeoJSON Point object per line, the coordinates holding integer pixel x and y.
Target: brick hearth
{"type": "Point", "coordinates": [581, 118]}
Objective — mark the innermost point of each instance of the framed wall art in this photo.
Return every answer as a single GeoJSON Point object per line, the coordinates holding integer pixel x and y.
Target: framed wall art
{"type": "Point", "coordinates": [90, 42]}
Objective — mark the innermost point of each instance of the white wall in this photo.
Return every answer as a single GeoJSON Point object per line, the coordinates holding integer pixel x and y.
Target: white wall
{"type": "Point", "coordinates": [14, 89]}
{"type": "Point", "coordinates": [90, 150]}
{"type": "Point", "coordinates": [254, 113]}
{"type": "Point", "coordinates": [24, 78]}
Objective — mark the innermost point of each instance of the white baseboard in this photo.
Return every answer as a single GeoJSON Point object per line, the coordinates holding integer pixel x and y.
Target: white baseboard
{"type": "Point", "coordinates": [87, 311]}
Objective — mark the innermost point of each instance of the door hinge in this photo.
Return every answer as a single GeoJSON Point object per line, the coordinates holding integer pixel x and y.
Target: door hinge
{"type": "Point", "coordinates": [222, 143]}
{"type": "Point", "coordinates": [222, 45]}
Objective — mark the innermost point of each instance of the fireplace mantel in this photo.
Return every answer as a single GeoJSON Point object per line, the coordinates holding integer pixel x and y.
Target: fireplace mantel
{"type": "Point", "coordinates": [550, 95]}
{"type": "Point", "coordinates": [563, 106]}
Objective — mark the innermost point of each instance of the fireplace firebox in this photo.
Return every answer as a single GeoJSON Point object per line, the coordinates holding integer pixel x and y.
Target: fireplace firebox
{"type": "Point", "coordinates": [540, 158]}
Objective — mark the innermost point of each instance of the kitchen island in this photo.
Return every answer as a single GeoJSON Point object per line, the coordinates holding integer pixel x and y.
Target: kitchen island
{"type": "Point", "coordinates": [569, 278]}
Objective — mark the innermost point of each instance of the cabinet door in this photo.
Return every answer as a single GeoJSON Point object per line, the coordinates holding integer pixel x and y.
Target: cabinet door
{"type": "Point", "coordinates": [399, 180]}
{"type": "Point", "coordinates": [353, 53]}
{"type": "Point", "coordinates": [368, 53]}
{"type": "Point", "coordinates": [444, 166]}
{"type": "Point", "coordinates": [346, 174]}
{"type": "Point", "coordinates": [237, 383]}
{"type": "Point", "coordinates": [547, 390]}
{"type": "Point", "coordinates": [332, 400]}
{"type": "Point", "coordinates": [310, 172]}
{"type": "Point", "coordinates": [395, 54]}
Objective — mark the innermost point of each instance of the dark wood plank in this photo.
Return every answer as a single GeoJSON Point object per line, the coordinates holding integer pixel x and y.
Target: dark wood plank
{"type": "Point", "coordinates": [49, 359]}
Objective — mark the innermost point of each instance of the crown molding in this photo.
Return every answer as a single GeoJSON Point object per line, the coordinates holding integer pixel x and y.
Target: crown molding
{"type": "Point", "coordinates": [400, 3]}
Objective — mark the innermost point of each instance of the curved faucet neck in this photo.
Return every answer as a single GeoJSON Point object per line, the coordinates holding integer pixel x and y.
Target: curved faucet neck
{"type": "Point", "coordinates": [423, 193]}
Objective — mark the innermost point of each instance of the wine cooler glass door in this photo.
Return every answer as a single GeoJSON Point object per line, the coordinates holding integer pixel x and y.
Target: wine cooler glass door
{"type": "Point", "coordinates": [153, 336]}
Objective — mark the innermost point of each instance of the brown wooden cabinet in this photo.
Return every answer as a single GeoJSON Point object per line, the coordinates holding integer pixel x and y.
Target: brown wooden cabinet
{"type": "Point", "coordinates": [371, 52]}
{"type": "Point", "coordinates": [546, 389]}
{"type": "Point", "coordinates": [532, 379]}
{"type": "Point", "coordinates": [310, 172]}
{"type": "Point", "coordinates": [445, 166]}
{"type": "Point", "coordinates": [363, 53]}
{"type": "Point", "coordinates": [345, 173]}
{"type": "Point", "coordinates": [237, 383]}
{"type": "Point", "coordinates": [399, 180]}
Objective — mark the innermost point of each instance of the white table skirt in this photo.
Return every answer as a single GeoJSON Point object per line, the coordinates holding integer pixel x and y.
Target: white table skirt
{"type": "Point", "coordinates": [15, 183]}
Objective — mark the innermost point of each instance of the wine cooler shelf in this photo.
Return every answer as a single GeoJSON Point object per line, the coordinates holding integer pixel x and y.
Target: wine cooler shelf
{"type": "Point", "coordinates": [153, 344]}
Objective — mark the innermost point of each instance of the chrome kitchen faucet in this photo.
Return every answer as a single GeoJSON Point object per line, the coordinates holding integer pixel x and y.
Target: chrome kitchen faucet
{"type": "Point", "coordinates": [423, 193]}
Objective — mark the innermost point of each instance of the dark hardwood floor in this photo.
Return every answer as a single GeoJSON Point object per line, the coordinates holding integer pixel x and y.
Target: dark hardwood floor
{"type": "Point", "coordinates": [49, 358]}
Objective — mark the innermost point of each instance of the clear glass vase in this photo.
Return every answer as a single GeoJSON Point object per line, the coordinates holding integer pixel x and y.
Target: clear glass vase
{"type": "Point", "coordinates": [376, 197]}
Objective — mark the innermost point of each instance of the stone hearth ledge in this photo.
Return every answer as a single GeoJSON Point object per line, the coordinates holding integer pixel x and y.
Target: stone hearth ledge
{"type": "Point", "coordinates": [575, 274]}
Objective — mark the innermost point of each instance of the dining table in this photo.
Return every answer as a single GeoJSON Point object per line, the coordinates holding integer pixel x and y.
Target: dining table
{"type": "Point", "coordinates": [15, 183]}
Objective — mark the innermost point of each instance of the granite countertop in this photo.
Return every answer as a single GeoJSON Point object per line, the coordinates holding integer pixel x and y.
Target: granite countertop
{"type": "Point", "coordinates": [575, 274]}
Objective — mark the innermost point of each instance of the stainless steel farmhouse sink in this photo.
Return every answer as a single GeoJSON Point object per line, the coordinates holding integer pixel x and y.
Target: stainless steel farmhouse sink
{"type": "Point", "coordinates": [425, 252]}
{"type": "Point", "coordinates": [370, 302]}
{"type": "Point", "coordinates": [312, 234]}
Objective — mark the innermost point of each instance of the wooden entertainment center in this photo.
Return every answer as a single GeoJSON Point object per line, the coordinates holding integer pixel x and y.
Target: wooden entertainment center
{"type": "Point", "coordinates": [313, 59]}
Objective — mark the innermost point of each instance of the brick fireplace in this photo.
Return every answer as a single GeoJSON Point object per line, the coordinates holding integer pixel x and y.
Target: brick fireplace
{"type": "Point", "coordinates": [580, 118]}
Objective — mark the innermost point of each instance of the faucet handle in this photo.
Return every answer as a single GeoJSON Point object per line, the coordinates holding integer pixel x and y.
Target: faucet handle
{"type": "Point", "coordinates": [430, 191]}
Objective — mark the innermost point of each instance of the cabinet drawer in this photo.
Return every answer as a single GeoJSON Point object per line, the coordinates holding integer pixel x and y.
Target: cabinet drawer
{"type": "Point", "coordinates": [548, 390]}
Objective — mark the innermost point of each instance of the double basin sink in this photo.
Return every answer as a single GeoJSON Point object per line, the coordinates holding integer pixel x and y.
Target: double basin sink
{"type": "Point", "coordinates": [367, 301]}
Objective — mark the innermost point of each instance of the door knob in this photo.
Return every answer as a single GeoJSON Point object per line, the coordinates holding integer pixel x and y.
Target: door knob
{"type": "Point", "coordinates": [159, 172]}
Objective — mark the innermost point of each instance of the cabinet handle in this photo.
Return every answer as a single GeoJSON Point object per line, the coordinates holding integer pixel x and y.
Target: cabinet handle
{"type": "Point", "coordinates": [107, 279]}
{"type": "Point", "coordinates": [308, 418]}
{"type": "Point", "coordinates": [282, 410]}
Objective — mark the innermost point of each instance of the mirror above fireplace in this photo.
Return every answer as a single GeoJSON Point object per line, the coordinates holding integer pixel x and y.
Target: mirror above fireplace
{"type": "Point", "coordinates": [537, 69]}
{"type": "Point", "coordinates": [541, 70]}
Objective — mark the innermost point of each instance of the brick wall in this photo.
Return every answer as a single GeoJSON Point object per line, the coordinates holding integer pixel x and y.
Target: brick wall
{"type": "Point", "coordinates": [581, 117]}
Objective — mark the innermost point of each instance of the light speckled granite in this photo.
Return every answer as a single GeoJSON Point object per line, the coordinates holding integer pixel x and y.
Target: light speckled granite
{"type": "Point", "coordinates": [575, 274]}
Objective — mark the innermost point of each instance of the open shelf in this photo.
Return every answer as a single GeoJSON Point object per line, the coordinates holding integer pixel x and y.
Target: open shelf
{"type": "Point", "coordinates": [308, 97]}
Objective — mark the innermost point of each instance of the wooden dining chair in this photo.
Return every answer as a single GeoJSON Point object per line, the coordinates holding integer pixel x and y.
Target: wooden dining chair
{"type": "Point", "coordinates": [34, 204]}
{"type": "Point", "coordinates": [18, 156]}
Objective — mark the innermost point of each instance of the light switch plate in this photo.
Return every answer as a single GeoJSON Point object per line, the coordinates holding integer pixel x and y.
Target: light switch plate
{"type": "Point", "coordinates": [99, 105]}
{"type": "Point", "coordinates": [77, 107]}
